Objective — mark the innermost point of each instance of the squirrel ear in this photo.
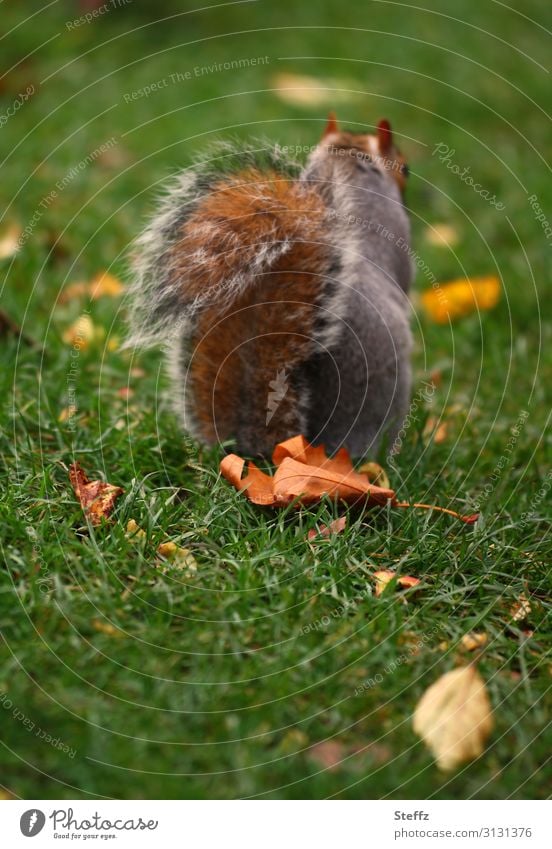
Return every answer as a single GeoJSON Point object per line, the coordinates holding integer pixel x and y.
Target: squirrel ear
{"type": "Point", "coordinates": [331, 126]}
{"type": "Point", "coordinates": [385, 136]}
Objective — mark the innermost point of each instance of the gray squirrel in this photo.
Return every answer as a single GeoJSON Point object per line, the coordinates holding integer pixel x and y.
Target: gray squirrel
{"type": "Point", "coordinates": [280, 293]}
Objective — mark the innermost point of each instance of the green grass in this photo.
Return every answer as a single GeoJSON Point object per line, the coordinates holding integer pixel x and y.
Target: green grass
{"type": "Point", "coordinates": [220, 685]}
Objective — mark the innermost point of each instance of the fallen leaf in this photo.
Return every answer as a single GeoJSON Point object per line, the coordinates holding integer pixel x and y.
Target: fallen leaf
{"type": "Point", "coordinates": [375, 473]}
{"type": "Point", "coordinates": [435, 430]}
{"type": "Point", "coordinates": [454, 717]}
{"type": "Point", "coordinates": [303, 90]}
{"type": "Point", "coordinates": [101, 285]}
{"type": "Point", "coordinates": [81, 333]}
{"type": "Point", "coordinates": [521, 609]}
{"type": "Point", "coordinates": [125, 392]}
{"type": "Point", "coordinates": [385, 576]}
{"type": "Point", "coordinates": [441, 235]}
{"type": "Point", "coordinates": [305, 474]}
{"type": "Point", "coordinates": [105, 285]}
{"type": "Point", "coordinates": [68, 413]}
{"type": "Point", "coordinates": [178, 558]}
{"type": "Point", "coordinates": [474, 641]}
{"type": "Point", "coordinates": [107, 628]}
{"type": "Point", "coordinates": [334, 527]}
{"type": "Point", "coordinates": [449, 301]}
{"type": "Point", "coordinates": [173, 555]}
{"type": "Point", "coordinates": [96, 498]}
{"type": "Point", "coordinates": [9, 241]}
{"type": "Point", "coordinates": [134, 531]}
{"type": "Point", "coordinates": [328, 754]}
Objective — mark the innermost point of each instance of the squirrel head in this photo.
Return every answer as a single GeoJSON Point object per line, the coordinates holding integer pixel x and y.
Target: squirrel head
{"type": "Point", "coordinates": [377, 148]}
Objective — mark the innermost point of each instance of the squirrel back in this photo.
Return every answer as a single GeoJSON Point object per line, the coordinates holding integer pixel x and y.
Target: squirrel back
{"type": "Point", "coordinates": [263, 280]}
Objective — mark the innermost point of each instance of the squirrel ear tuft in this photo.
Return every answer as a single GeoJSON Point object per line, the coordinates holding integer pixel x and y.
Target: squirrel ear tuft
{"type": "Point", "coordinates": [385, 136]}
{"type": "Point", "coordinates": [331, 126]}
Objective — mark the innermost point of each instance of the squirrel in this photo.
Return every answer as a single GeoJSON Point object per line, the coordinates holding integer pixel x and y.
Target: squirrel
{"type": "Point", "coordinates": [280, 292]}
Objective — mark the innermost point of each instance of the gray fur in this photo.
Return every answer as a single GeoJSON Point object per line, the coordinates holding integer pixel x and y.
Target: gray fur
{"type": "Point", "coordinates": [360, 379]}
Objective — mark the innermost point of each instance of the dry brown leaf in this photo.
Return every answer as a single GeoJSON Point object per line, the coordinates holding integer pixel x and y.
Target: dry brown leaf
{"type": "Point", "coordinates": [521, 609]}
{"type": "Point", "coordinates": [9, 241]}
{"type": "Point", "coordinates": [385, 576]}
{"type": "Point", "coordinates": [454, 717]}
{"type": "Point", "coordinates": [375, 473]}
{"type": "Point", "coordinates": [448, 301]}
{"type": "Point", "coordinates": [473, 641]}
{"type": "Point", "coordinates": [96, 498]}
{"type": "Point", "coordinates": [334, 527]}
{"type": "Point", "coordinates": [305, 474]}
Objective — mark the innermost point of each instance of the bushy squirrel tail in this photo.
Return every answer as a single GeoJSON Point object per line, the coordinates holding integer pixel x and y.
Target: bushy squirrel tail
{"type": "Point", "coordinates": [221, 223]}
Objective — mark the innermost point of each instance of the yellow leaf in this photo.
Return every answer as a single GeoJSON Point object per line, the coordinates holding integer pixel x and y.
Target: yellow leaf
{"type": "Point", "coordinates": [474, 641]}
{"type": "Point", "coordinates": [105, 285]}
{"type": "Point", "coordinates": [81, 333]}
{"type": "Point", "coordinates": [375, 473]}
{"type": "Point", "coordinates": [302, 90]}
{"type": "Point", "coordinates": [454, 717]}
{"type": "Point", "coordinates": [67, 413]}
{"type": "Point", "coordinates": [134, 531]}
{"type": "Point", "coordinates": [179, 558]}
{"type": "Point", "coordinates": [9, 241]}
{"type": "Point", "coordinates": [460, 297]}
{"type": "Point", "coordinates": [441, 235]}
{"type": "Point", "coordinates": [385, 576]}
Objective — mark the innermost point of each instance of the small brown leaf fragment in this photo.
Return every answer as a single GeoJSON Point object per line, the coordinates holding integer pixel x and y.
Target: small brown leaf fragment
{"type": "Point", "coordinates": [102, 285]}
{"type": "Point", "coordinates": [134, 531]}
{"type": "Point", "coordinates": [454, 717]}
{"type": "Point", "coordinates": [521, 609]}
{"type": "Point", "coordinates": [375, 473]}
{"type": "Point", "coordinates": [473, 641]}
{"type": "Point", "coordinates": [81, 333]}
{"type": "Point", "coordinates": [96, 498]}
{"type": "Point", "coordinates": [107, 628]}
{"type": "Point", "coordinates": [177, 557]}
{"type": "Point", "coordinates": [334, 527]}
{"type": "Point", "coordinates": [385, 576]}
{"type": "Point", "coordinates": [435, 430]}
{"type": "Point", "coordinates": [328, 754]}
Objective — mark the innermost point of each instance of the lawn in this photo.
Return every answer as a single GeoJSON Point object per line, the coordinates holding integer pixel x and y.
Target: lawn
{"type": "Point", "coordinates": [274, 671]}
